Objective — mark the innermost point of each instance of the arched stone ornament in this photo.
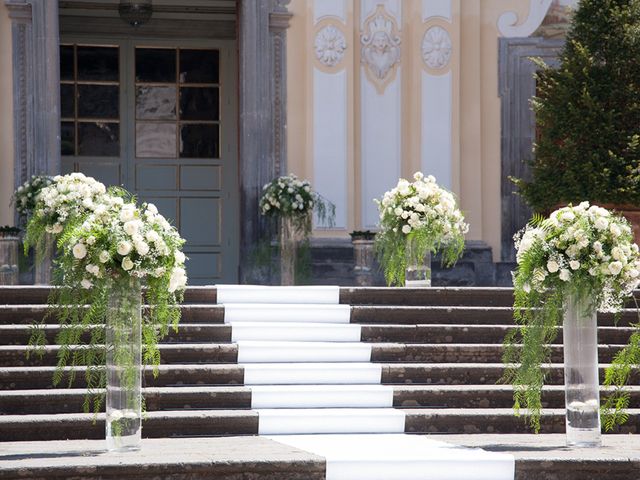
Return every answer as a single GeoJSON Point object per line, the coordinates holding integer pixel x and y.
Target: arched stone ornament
{"type": "Point", "coordinates": [507, 22]}
{"type": "Point", "coordinates": [330, 45]}
{"type": "Point", "coordinates": [436, 48]}
{"type": "Point", "coordinates": [380, 41]}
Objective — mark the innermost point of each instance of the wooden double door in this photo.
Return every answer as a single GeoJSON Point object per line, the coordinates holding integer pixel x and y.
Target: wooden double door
{"type": "Point", "coordinates": [160, 118]}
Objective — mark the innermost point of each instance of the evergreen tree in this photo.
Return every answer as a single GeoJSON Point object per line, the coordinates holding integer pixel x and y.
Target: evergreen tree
{"type": "Point", "coordinates": [588, 112]}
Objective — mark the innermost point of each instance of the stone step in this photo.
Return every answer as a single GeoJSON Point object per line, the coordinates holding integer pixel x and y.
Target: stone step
{"type": "Point", "coordinates": [376, 314]}
{"type": "Point", "coordinates": [458, 375]}
{"type": "Point", "coordinates": [259, 352]}
{"type": "Point", "coordinates": [219, 333]}
{"type": "Point", "coordinates": [23, 402]}
{"type": "Point", "coordinates": [180, 423]}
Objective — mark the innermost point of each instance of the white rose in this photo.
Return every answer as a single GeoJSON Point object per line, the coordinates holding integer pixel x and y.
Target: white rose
{"type": "Point", "coordinates": [152, 236]}
{"type": "Point", "coordinates": [177, 280]}
{"type": "Point", "coordinates": [406, 229]}
{"type": "Point", "coordinates": [601, 223]}
{"type": "Point", "coordinates": [127, 264]}
{"type": "Point", "coordinates": [131, 227]}
{"type": "Point", "coordinates": [142, 248]}
{"type": "Point", "coordinates": [574, 264]}
{"type": "Point", "coordinates": [552, 266]}
{"type": "Point", "coordinates": [158, 272]}
{"type": "Point", "coordinates": [567, 216]}
{"type": "Point", "coordinates": [152, 208]}
{"type": "Point", "coordinates": [86, 283]}
{"type": "Point", "coordinates": [127, 213]}
{"type": "Point", "coordinates": [565, 275]}
{"type": "Point", "coordinates": [124, 248]}
{"type": "Point", "coordinates": [615, 268]}
{"type": "Point", "coordinates": [104, 256]}
{"type": "Point", "coordinates": [79, 251]}
{"type": "Point", "coordinates": [616, 253]}
{"type": "Point", "coordinates": [615, 230]}
{"type": "Point", "coordinates": [633, 273]}
{"type": "Point", "coordinates": [57, 228]}
{"type": "Point", "coordinates": [91, 240]}
{"type": "Point", "coordinates": [180, 257]}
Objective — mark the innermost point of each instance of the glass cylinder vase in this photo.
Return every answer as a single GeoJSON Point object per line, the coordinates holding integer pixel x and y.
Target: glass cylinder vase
{"type": "Point", "coordinates": [42, 271]}
{"type": "Point", "coordinates": [124, 372]}
{"type": "Point", "coordinates": [418, 274]}
{"type": "Point", "coordinates": [581, 383]}
{"type": "Point", "coordinates": [288, 248]}
{"type": "Point", "coordinates": [9, 248]}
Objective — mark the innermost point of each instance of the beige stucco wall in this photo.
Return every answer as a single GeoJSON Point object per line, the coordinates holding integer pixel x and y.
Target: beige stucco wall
{"type": "Point", "coordinates": [475, 115]}
{"type": "Point", "coordinates": [6, 119]}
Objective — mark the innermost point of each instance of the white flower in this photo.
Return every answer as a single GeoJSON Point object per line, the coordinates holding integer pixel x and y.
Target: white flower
{"type": "Point", "coordinates": [601, 223]}
{"type": "Point", "coordinates": [124, 248]}
{"type": "Point", "coordinates": [104, 256]}
{"type": "Point", "coordinates": [91, 240]}
{"type": "Point", "coordinates": [56, 228]}
{"type": "Point", "coordinates": [574, 264]}
{"type": "Point", "coordinates": [615, 268]}
{"type": "Point", "coordinates": [142, 248]}
{"type": "Point", "coordinates": [615, 230]}
{"type": "Point", "coordinates": [552, 266]}
{"type": "Point", "coordinates": [567, 216]}
{"type": "Point", "coordinates": [79, 251]}
{"type": "Point", "coordinates": [180, 257]}
{"type": "Point", "coordinates": [85, 283]}
{"type": "Point", "coordinates": [616, 253]}
{"type": "Point", "coordinates": [178, 279]}
{"type": "Point", "coordinates": [127, 213]}
{"type": "Point", "coordinates": [565, 275]}
{"type": "Point", "coordinates": [152, 236]}
{"type": "Point", "coordinates": [633, 273]}
{"type": "Point", "coordinates": [132, 227]}
{"type": "Point", "coordinates": [127, 263]}
{"type": "Point", "coordinates": [152, 208]}
{"type": "Point", "coordinates": [406, 229]}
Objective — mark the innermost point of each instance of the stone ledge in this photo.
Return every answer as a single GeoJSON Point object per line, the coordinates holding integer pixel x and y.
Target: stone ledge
{"type": "Point", "coordinates": [231, 458]}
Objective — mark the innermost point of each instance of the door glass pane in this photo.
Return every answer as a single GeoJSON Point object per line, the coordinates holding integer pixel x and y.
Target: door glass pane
{"type": "Point", "coordinates": [198, 103]}
{"type": "Point", "coordinates": [68, 138]}
{"type": "Point", "coordinates": [98, 63]}
{"type": "Point", "coordinates": [98, 101]}
{"type": "Point", "coordinates": [156, 103]}
{"type": "Point", "coordinates": [199, 141]}
{"type": "Point", "coordinates": [156, 65]}
{"type": "Point", "coordinates": [155, 140]}
{"type": "Point", "coordinates": [99, 139]}
{"type": "Point", "coordinates": [199, 66]}
{"type": "Point", "coordinates": [66, 62]}
{"type": "Point", "coordinates": [67, 101]}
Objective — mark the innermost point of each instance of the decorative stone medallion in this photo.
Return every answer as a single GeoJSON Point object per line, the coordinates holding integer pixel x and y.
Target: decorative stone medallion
{"type": "Point", "coordinates": [380, 40]}
{"type": "Point", "coordinates": [330, 45]}
{"type": "Point", "coordinates": [436, 48]}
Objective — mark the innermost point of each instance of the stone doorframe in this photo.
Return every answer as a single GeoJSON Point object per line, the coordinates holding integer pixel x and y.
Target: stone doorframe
{"type": "Point", "coordinates": [517, 85]}
{"type": "Point", "coordinates": [262, 29]}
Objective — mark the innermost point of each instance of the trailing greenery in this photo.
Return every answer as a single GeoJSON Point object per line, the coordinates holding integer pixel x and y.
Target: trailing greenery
{"type": "Point", "coordinates": [415, 219]}
{"type": "Point", "coordinates": [583, 252]}
{"type": "Point", "coordinates": [105, 241]}
{"type": "Point", "coordinates": [588, 112]}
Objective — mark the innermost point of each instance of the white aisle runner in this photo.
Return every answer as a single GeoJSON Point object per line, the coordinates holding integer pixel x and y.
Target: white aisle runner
{"type": "Point", "coordinates": [314, 387]}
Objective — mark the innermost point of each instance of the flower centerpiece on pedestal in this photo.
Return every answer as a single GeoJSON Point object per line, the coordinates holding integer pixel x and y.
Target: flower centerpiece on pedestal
{"type": "Point", "coordinates": [291, 201]}
{"type": "Point", "coordinates": [576, 262]}
{"type": "Point", "coordinates": [113, 254]}
{"type": "Point", "coordinates": [416, 219]}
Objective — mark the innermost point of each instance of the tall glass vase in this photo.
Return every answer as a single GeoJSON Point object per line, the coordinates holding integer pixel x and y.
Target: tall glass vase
{"type": "Point", "coordinates": [288, 248]}
{"type": "Point", "coordinates": [582, 393]}
{"type": "Point", "coordinates": [42, 271]}
{"type": "Point", "coordinates": [124, 372]}
{"type": "Point", "coordinates": [418, 272]}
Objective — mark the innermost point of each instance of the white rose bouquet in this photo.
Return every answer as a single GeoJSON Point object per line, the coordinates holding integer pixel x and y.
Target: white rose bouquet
{"type": "Point", "coordinates": [291, 198]}
{"type": "Point", "coordinates": [26, 196]}
{"type": "Point", "coordinates": [417, 218]}
{"type": "Point", "coordinates": [581, 251]}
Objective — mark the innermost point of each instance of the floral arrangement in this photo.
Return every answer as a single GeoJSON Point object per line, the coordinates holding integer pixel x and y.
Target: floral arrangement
{"type": "Point", "coordinates": [289, 197]}
{"type": "Point", "coordinates": [107, 243]}
{"type": "Point", "coordinates": [581, 251]}
{"type": "Point", "coordinates": [417, 218]}
{"type": "Point", "coordinates": [25, 197]}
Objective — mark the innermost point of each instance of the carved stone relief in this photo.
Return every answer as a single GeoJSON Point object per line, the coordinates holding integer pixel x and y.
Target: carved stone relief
{"type": "Point", "coordinates": [380, 40]}
{"type": "Point", "coordinates": [330, 45]}
{"type": "Point", "coordinates": [436, 48]}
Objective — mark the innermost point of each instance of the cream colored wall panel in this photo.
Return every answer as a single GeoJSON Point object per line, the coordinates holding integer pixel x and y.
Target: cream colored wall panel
{"type": "Point", "coordinates": [381, 148]}
{"type": "Point", "coordinates": [436, 127]}
{"type": "Point", "coordinates": [329, 8]}
{"type": "Point", "coordinates": [436, 8]}
{"type": "Point", "coordinates": [330, 174]}
{"type": "Point", "coordinates": [6, 118]}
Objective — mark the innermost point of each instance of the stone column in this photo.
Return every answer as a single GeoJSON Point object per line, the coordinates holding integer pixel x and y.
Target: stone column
{"type": "Point", "coordinates": [36, 94]}
{"type": "Point", "coordinates": [262, 27]}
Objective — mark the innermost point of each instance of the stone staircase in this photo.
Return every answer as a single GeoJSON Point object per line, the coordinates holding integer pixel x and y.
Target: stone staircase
{"type": "Point", "coordinates": [438, 351]}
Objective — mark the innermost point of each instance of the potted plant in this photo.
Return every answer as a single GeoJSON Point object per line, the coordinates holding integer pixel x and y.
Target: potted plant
{"type": "Point", "coordinates": [416, 219]}
{"type": "Point", "coordinates": [9, 248]}
{"type": "Point", "coordinates": [291, 202]}
{"type": "Point", "coordinates": [363, 254]}
{"type": "Point", "coordinates": [578, 261]}
{"type": "Point", "coordinates": [587, 115]}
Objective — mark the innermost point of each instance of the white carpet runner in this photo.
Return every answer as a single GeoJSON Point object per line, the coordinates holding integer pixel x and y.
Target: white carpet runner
{"type": "Point", "coordinates": [314, 387]}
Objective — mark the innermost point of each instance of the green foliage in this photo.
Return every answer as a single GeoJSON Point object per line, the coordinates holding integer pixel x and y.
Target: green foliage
{"type": "Point", "coordinates": [588, 112]}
